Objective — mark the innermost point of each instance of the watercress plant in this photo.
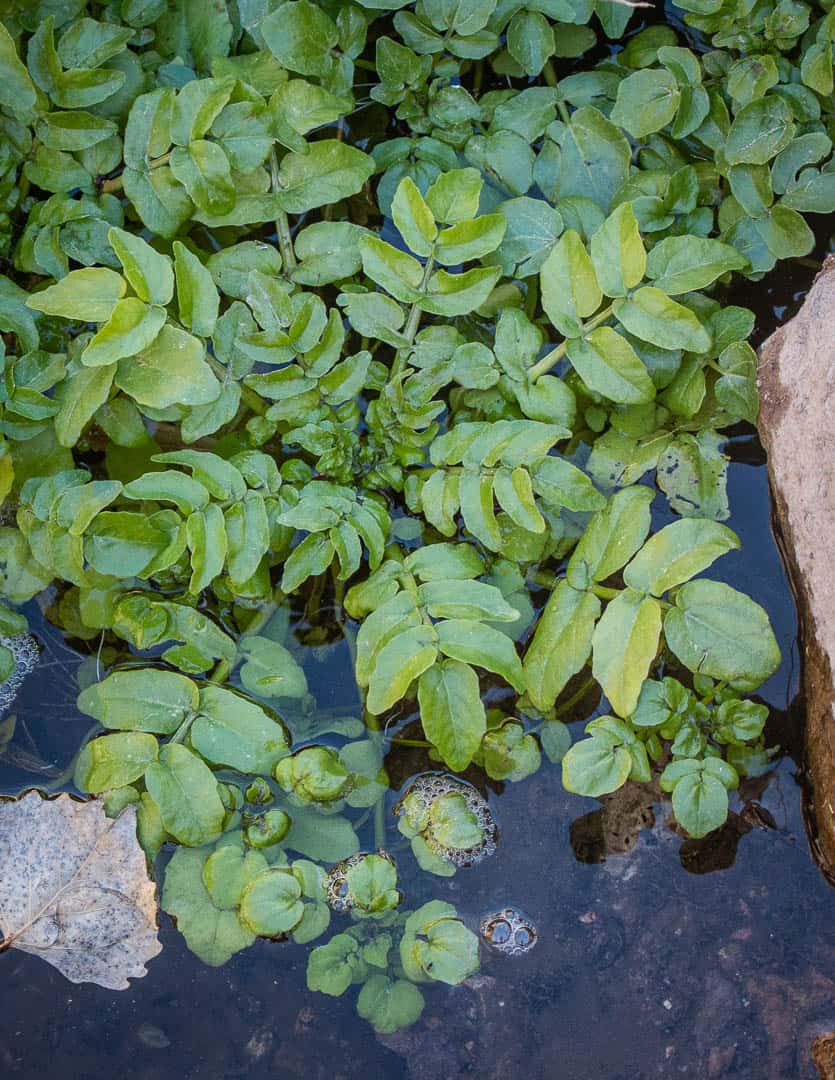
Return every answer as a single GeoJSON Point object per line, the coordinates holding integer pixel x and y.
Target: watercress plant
{"type": "Point", "coordinates": [389, 323]}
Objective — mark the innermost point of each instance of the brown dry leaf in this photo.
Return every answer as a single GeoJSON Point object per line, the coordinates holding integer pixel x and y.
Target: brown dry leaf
{"type": "Point", "coordinates": [74, 889]}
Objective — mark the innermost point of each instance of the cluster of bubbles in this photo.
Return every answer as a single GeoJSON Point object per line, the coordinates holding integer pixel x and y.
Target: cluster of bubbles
{"type": "Point", "coordinates": [337, 887]}
{"type": "Point", "coordinates": [25, 653]}
{"type": "Point", "coordinates": [428, 790]}
{"type": "Point", "coordinates": [508, 931]}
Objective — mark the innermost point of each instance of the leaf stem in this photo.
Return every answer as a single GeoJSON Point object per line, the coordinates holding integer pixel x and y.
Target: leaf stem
{"type": "Point", "coordinates": [282, 223]}
{"type": "Point", "coordinates": [555, 355]}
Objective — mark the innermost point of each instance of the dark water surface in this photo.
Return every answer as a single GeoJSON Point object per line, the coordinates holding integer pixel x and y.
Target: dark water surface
{"type": "Point", "coordinates": [655, 959]}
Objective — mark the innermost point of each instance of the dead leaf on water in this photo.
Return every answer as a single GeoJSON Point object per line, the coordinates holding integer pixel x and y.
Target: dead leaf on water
{"type": "Point", "coordinates": [74, 889]}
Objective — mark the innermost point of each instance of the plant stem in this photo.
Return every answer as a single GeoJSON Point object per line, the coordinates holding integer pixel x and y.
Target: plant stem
{"type": "Point", "coordinates": [555, 355]}
{"type": "Point", "coordinates": [550, 76]}
{"type": "Point", "coordinates": [422, 743]}
{"type": "Point", "coordinates": [414, 320]}
{"type": "Point", "coordinates": [575, 698]}
{"type": "Point", "coordinates": [282, 223]}
{"type": "Point", "coordinates": [376, 736]}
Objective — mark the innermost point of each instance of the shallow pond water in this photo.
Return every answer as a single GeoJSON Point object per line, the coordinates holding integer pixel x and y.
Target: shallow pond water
{"type": "Point", "coordinates": [654, 958]}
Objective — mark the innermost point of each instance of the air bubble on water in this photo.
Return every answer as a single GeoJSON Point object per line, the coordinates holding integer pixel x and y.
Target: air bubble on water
{"type": "Point", "coordinates": [25, 653]}
{"type": "Point", "coordinates": [426, 790]}
{"type": "Point", "coordinates": [337, 890]}
{"type": "Point", "coordinates": [508, 931]}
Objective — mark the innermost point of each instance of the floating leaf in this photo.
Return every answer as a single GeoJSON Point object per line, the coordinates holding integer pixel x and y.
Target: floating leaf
{"type": "Point", "coordinates": [74, 889]}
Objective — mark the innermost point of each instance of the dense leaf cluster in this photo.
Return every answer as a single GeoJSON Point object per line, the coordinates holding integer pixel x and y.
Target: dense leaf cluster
{"type": "Point", "coordinates": [392, 321]}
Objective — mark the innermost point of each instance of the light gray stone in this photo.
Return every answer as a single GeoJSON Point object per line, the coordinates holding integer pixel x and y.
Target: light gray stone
{"type": "Point", "coordinates": [797, 428]}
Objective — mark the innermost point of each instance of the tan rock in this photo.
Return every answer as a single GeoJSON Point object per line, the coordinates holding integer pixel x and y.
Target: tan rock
{"type": "Point", "coordinates": [797, 410]}
{"type": "Point", "coordinates": [823, 1055]}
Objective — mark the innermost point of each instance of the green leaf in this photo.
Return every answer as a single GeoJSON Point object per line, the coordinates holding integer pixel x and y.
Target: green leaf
{"type": "Point", "coordinates": [327, 172]}
{"type": "Point", "coordinates": [331, 968]}
{"type": "Point", "coordinates": [677, 553]}
{"type": "Point", "coordinates": [561, 644]}
{"type": "Point", "coordinates": [609, 366]}
{"type": "Point", "coordinates": [595, 159]}
{"type": "Point", "coordinates": [466, 600]}
{"type": "Point", "coordinates": [111, 761]}
{"type": "Point", "coordinates": [611, 538]}
{"type": "Point", "coordinates": [563, 484]}
{"type": "Point", "coordinates": [197, 295]}
{"type": "Point", "coordinates": [470, 240]}
{"type": "Point", "coordinates": [451, 711]}
{"type": "Point", "coordinates": [227, 871]}
{"type": "Point", "coordinates": [149, 273]}
{"type": "Point", "coordinates": [140, 699]}
{"type": "Point", "coordinates": [715, 630]}
{"type": "Point", "coordinates": [123, 544]}
{"type": "Point", "coordinates": [271, 902]}
{"type": "Point", "coordinates": [372, 885]}
{"type": "Point", "coordinates": [389, 1004]}
{"type": "Point", "coordinates": [172, 370]}
{"type": "Point", "coordinates": [168, 485]}
{"type": "Point", "coordinates": [81, 396]}
{"type": "Point", "coordinates": [17, 91]}
{"type": "Point", "coordinates": [160, 201]}
{"type": "Point", "coordinates": [652, 316]}
{"type": "Point", "coordinates": [230, 730]}
{"type": "Point", "coordinates": [437, 945]}
{"type": "Point", "coordinates": [132, 327]}
{"type": "Point", "coordinates": [87, 295]}
{"type": "Point", "coordinates": [397, 272]}
{"type": "Point", "coordinates": [760, 130]}
{"type": "Point", "coordinates": [647, 101]}
{"type": "Point", "coordinates": [413, 218]}
{"type": "Point", "coordinates": [476, 643]}
{"type": "Point", "coordinates": [74, 130]}
{"type": "Point", "coordinates": [398, 663]}
{"type": "Point", "coordinates": [680, 264]}
{"type": "Point", "coordinates": [555, 737]}
{"type": "Point", "coordinates": [618, 253]}
{"type": "Point", "coordinates": [300, 35]}
{"type": "Point", "coordinates": [186, 793]}
{"type": "Point", "coordinates": [212, 934]}
{"type": "Point", "coordinates": [570, 290]}
{"type": "Point", "coordinates": [203, 169]}
{"type": "Point", "coordinates": [459, 294]}
{"type": "Point", "coordinates": [736, 390]}
{"type": "Point", "coordinates": [312, 557]}
{"type": "Point", "coordinates": [454, 195]}
{"type": "Point", "coordinates": [207, 541]}
{"type": "Point", "coordinates": [530, 41]}
{"type": "Point", "coordinates": [595, 767]}
{"type": "Point", "coordinates": [196, 106]}
{"type": "Point", "coordinates": [624, 646]}
{"type": "Point", "coordinates": [507, 752]}
{"type": "Point", "coordinates": [270, 670]}
{"type": "Point", "coordinates": [700, 803]}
